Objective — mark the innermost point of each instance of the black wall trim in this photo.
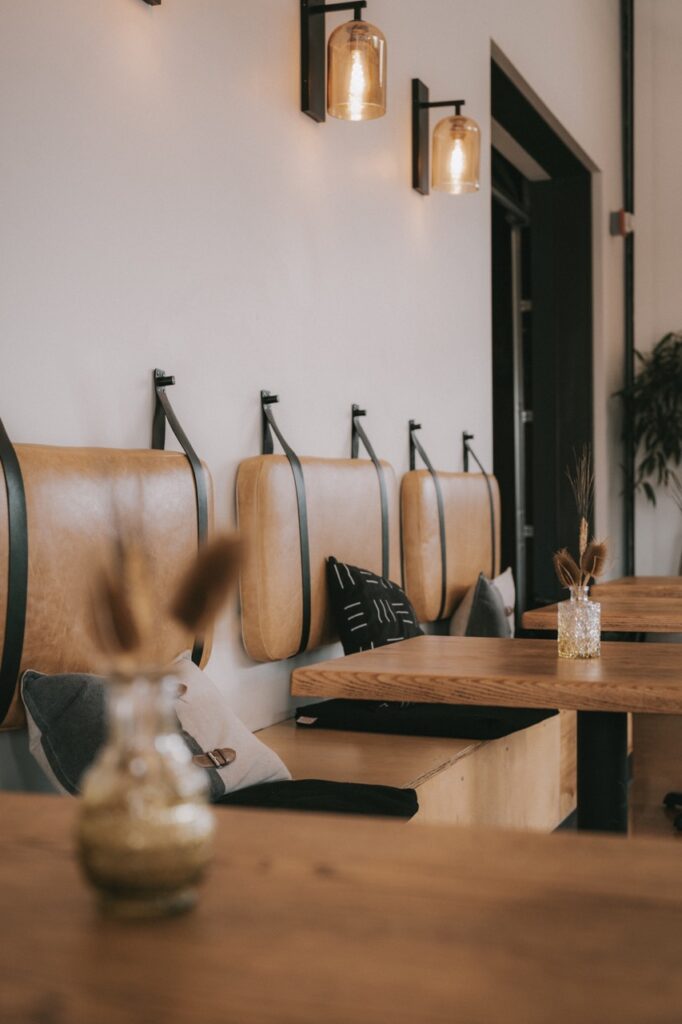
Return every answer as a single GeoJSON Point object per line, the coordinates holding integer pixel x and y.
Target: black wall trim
{"type": "Point", "coordinates": [627, 32]}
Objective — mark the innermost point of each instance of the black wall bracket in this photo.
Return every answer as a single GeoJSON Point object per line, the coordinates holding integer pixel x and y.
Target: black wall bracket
{"type": "Point", "coordinates": [420, 133]}
{"type": "Point", "coordinates": [358, 434]}
{"type": "Point", "coordinates": [269, 427]}
{"type": "Point", "coordinates": [466, 450]}
{"type": "Point", "coordinates": [313, 53]}
{"type": "Point", "coordinates": [153, 3]}
{"type": "Point", "coordinates": [164, 413]}
{"type": "Point", "coordinates": [416, 447]}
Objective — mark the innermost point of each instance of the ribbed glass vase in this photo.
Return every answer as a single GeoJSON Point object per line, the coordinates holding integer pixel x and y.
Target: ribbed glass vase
{"type": "Point", "coordinates": [579, 625]}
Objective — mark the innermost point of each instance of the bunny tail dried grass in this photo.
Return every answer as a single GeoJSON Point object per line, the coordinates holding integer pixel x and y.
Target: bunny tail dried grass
{"type": "Point", "coordinates": [593, 562]}
{"type": "Point", "coordinates": [206, 585]}
{"type": "Point", "coordinates": [566, 568]}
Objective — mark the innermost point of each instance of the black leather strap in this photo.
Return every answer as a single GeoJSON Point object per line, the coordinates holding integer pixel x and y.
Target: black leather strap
{"type": "Point", "coordinates": [468, 450]}
{"type": "Point", "coordinates": [163, 411]}
{"type": "Point", "coordinates": [17, 573]}
{"type": "Point", "coordinates": [358, 434]}
{"type": "Point", "coordinates": [416, 446]}
{"type": "Point", "coordinates": [269, 427]}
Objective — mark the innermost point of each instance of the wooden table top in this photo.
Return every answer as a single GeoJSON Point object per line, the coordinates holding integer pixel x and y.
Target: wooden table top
{"type": "Point", "coordinates": [653, 586]}
{"type": "Point", "coordinates": [514, 673]}
{"type": "Point", "coordinates": [308, 919]}
{"type": "Point", "coordinates": [622, 611]}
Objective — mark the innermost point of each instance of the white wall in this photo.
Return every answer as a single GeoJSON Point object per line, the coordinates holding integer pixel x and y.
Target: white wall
{"type": "Point", "coordinates": [658, 237]}
{"type": "Point", "coordinates": [165, 203]}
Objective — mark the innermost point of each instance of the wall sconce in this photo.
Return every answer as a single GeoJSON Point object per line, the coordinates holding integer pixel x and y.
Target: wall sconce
{"type": "Point", "coordinates": [356, 65]}
{"type": "Point", "coordinates": [153, 3]}
{"type": "Point", "coordinates": [456, 147]}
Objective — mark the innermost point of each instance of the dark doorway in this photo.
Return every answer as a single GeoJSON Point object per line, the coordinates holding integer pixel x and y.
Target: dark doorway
{"type": "Point", "coordinates": [542, 334]}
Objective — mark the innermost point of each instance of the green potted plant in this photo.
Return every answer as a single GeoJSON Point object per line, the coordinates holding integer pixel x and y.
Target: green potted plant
{"type": "Point", "coordinates": [655, 403]}
{"type": "Point", "coordinates": [655, 398]}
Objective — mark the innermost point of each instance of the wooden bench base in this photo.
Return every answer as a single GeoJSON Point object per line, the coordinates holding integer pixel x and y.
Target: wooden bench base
{"type": "Point", "coordinates": [526, 780]}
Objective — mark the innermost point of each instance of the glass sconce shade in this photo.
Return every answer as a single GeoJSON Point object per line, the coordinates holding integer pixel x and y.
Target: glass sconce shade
{"type": "Point", "coordinates": [356, 72]}
{"type": "Point", "coordinates": [456, 155]}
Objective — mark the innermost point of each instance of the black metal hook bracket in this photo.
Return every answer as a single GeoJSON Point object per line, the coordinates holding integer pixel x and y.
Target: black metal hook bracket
{"type": "Point", "coordinates": [467, 451]}
{"type": "Point", "coordinates": [420, 132]}
{"type": "Point", "coordinates": [417, 447]}
{"type": "Point", "coordinates": [269, 427]}
{"type": "Point", "coordinates": [266, 400]}
{"type": "Point", "coordinates": [413, 427]}
{"type": "Point", "coordinates": [314, 52]}
{"type": "Point", "coordinates": [358, 434]}
{"type": "Point", "coordinates": [164, 413]}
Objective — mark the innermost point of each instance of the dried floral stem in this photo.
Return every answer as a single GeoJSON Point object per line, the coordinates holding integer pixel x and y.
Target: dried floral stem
{"type": "Point", "coordinates": [581, 479]}
{"type": "Point", "coordinates": [591, 553]}
{"type": "Point", "coordinates": [205, 586]}
{"type": "Point", "coordinates": [126, 613]}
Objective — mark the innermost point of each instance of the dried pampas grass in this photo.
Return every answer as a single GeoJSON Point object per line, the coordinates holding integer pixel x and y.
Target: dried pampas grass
{"type": "Point", "coordinates": [207, 583]}
{"type": "Point", "coordinates": [122, 605]}
{"type": "Point", "coordinates": [124, 611]}
{"type": "Point", "coordinates": [591, 561]}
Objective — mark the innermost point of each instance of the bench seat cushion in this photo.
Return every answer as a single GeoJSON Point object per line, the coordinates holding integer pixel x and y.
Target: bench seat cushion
{"type": "Point", "coordinates": [405, 719]}
{"type": "Point", "coordinates": [330, 797]}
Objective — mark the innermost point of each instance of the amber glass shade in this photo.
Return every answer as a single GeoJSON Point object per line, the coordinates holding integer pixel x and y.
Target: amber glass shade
{"type": "Point", "coordinates": [356, 72]}
{"type": "Point", "coordinates": [456, 155]}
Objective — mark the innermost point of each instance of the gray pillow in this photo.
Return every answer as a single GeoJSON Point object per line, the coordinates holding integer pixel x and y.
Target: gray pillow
{"type": "Point", "coordinates": [66, 724]}
{"type": "Point", "coordinates": [481, 612]}
{"type": "Point", "coordinates": [66, 717]}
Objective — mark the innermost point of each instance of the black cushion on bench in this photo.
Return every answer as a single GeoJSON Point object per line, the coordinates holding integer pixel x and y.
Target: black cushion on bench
{"type": "Point", "coordinates": [452, 721]}
{"type": "Point", "coordinates": [334, 797]}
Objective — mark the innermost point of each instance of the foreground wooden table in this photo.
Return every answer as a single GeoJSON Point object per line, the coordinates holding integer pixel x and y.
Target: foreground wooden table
{"type": "Point", "coordinates": [524, 673]}
{"type": "Point", "coordinates": [320, 920]}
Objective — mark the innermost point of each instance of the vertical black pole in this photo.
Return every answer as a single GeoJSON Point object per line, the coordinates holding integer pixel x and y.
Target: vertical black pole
{"type": "Point", "coordinates": [627, 29]}
{"type": "Point", "coordinates": [603, 771]}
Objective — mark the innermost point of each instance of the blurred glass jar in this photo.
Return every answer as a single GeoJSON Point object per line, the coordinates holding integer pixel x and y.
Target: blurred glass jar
{"type": "Point", "coordinates": [145, 829]}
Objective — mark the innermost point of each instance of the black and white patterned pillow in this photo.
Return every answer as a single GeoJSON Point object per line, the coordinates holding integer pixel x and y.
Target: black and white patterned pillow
{"type": "Point", "coordinates": [368, 610]}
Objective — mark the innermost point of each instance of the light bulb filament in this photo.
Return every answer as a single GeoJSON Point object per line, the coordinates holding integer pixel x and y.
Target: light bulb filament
{"type": "Point", "coordinates": [357, 86]}
{"type": "Point", "coordinates": [457, 161]}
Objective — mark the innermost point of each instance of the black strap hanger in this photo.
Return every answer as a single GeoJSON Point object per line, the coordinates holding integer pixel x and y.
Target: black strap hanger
{"type": "Point", "coordinates": [17, 572]}
{"type": "Point", "coordinates": [269, 426]}
{"type": "Point", "coordinates": [467, 451]}
{"type": "Point", "coordinates": [358, 434]}
{"type": "Point", "coordinates": [163, 412]}
{"type": "Point", "coordinates": [416, 446]}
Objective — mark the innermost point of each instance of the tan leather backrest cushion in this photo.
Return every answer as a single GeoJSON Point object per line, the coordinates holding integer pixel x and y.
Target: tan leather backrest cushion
{"type": "Point", "coordinates": [77, 498]}
{"type": "Point", "coordinates": [467, 531]}
{"type": "Point", "coordinates": [344, 519]}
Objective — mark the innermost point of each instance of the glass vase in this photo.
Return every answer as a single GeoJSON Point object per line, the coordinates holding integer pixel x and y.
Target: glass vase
{"type": "Point", "coordinates": [579, 626]}
{"type": "Point", "coordinates": [145, 829]}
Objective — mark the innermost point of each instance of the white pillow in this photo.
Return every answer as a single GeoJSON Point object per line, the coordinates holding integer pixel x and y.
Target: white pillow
{"type": "Point", "coordinates": [206, 716]}
{"type": "Point", "coordinates": [505, 584]}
